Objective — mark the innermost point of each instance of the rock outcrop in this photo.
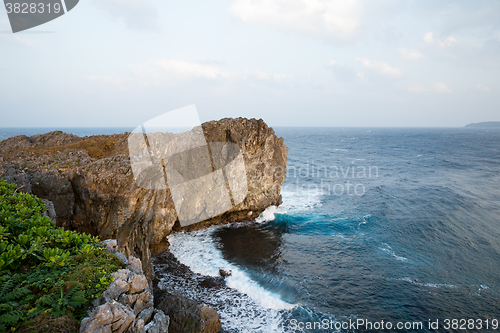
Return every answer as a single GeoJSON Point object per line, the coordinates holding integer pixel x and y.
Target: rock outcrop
{"type": "Point", "coordinates": [127, 305]}
{"type": "Point", "coordinates": [187, 315]}
{"type": "Point", "coordinates": [89, 184]}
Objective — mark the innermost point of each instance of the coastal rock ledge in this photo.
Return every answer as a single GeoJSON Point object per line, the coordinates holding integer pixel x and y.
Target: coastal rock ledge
{"type": "Point", "coordinates": [88, 184]}
{"type": "Point", "coordinates": [127, 305]}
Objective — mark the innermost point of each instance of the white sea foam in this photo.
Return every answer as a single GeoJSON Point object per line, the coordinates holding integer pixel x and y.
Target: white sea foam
{"type": "Point", "coordinates": [365, 219]}
{"type": "Point", "coordinates": [300, 200]}
{"type": "Point", "coordinates": [267, 214]}
{"type": "Point", "coordinates": [293, 201]}
{"type": "Point", "coordinates": [415, 282]}
{"type": "Point", "coordinates": [430, 285]}
{"type": "Point", "coordinates": [390, 251]}
{"type": "Point", "coordinates": [481, 288]}
{"type": "Point", "coordinates": [198, 251]}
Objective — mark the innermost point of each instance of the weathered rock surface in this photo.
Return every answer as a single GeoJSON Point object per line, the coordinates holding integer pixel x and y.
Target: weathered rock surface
{"type": "Point", "coordinates": [127, 305]}
{"type": "Point", "coordinates": [91, 185]}
{"type": "Point", "coordinates": [187, 315]}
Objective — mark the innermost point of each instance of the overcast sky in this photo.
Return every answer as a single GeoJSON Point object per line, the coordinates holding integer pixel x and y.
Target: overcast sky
{"type": "Point", "coordinates": [290, 62]}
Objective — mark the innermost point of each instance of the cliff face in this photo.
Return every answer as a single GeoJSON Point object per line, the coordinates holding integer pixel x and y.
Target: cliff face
{"type": "Point", "coordinates": [91, 184]}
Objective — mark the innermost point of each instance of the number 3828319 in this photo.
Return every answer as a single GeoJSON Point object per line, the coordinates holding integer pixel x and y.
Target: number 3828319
{"type": "Point", "coordinates": [32, 8]}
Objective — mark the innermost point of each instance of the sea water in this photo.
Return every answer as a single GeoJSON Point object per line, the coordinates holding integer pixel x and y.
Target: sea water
{"type": "Point", "coordinates": [378, 225]}
{"type": "Point", "coordinates": [398, 226]}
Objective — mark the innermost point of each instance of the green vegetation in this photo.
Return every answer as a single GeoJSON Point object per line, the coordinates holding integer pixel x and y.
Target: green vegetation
{"type": "Point", "coordinates": [48, 275]}
{"type": "Point", "coordinates": [59, 132]}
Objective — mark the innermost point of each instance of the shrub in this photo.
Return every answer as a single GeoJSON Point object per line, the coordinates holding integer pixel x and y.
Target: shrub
{"type": "Point", "coordinates": [46, 273]}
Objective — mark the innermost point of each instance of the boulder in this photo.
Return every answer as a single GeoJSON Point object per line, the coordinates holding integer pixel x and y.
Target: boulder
{"type": "Point", "coordinates": [111, 317]}
{"type": "Point", "coordinates": [187, 315]}
{"type": "Point", "coordinates": [159, 324]}
{"type": "Point", "coordinates": [126, 306]}
{"type": "Point", "coordinates": [224, 273]}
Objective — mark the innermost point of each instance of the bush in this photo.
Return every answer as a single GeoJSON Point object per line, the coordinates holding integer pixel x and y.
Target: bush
{"type": "Point", "coordinates": [48, 275]}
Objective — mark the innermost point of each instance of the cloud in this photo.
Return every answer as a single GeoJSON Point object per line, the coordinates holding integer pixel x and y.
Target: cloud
{"type": "Point", "coordinates": [329, 19]}
{"type": "Point", "coordinates": [25, 41]}
{"type": "Point", "coordinates": [342, 72]}
{"type": "Point", "coordinates": [414, 87]}
{"type": "Point", "coordinates": [282, 77]}
{"type": "Point", "coordinates": [440, 87]}
{"type": "Point", "coordinates": [15, 39]}
{"type": "Point", "coordinates": [442, 42]}
{"type": "Point", "coordinates": [409, 54]}
{"type": "Point", "coordinates": [137, 14]}
{"type": "Point", "coordinates": [105, 79]}
{"type": "Point", "coordinates": [170, 71]}
{"type": "Point", "coordinates": [362, 77]}
{"type": "Point", "coordinates": [261, 75]}
{"type": "Point", "coordinates": [483, 87]}
{"type": "Point", "coordinates": [380, 68]}
{"type": "Point", "coordinates": [179, 69]}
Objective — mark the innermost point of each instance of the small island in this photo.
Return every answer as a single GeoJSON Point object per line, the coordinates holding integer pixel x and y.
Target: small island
{"type": "Point", "coordinates": [485, 124]}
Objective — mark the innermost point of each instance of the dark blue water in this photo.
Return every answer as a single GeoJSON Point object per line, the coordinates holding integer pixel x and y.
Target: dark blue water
{"type": "Point", "coordinates": [412, 235]}
{"type": "Point", "coordinates": [393, 225]}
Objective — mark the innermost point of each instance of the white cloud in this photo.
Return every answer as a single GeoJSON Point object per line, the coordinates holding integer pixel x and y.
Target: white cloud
{"type": "Point", "coordinates": [414, 87]}
{"type": "Point", "coordinates": [16, 39]}
{"type": "Point", "coordinates": [409, 54]}
{"type": "Point", "coordinates": [362, 77]}
{"type": "Point", "coordinates": [380, 68]}
{"type": "Point", "coordinates": [343, 72]}
{"type": "Point", "coordinates": [261, 75]}
{"type": "Point", "coordinates": [282, 77]}
{"type": "Point", "coordinates": [169, 71]}
{"type": "Point", "coordinates": [179, 69]}
{"type": "Point", "coordinates": [442, 42]}
{"type": "Point", "coordinates": [330, 19]}
{"type": "Point", "coordinates": [440, 87]}
{"type": "Point", "coordinates": [24, 41]}
{"type": "Point", "coordinates": [483, 87]}
{"type": "Point", "coordinates": [105, 79]}
{"type": "Point", "coordinates": [137, 14]}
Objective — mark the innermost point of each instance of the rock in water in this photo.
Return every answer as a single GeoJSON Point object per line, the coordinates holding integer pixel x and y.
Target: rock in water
{"type": "Point", "coordinates": [90, 182]}
{"type": "Point", "coordinates": [225, 273]}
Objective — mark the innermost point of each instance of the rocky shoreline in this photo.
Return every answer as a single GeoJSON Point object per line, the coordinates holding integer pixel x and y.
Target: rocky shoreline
{"type": "Point", "coordinates": [88, 186]}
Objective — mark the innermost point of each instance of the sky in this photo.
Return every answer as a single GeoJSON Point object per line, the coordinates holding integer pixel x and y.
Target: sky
{"type": "Point", "coordinates": [360, 63]}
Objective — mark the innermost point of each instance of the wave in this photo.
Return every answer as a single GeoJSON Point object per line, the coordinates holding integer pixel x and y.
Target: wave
{"type": "Point", "coordinates": [429, 285]}
{"type": "Point", "coordinates": [388, 249]}
{"type": "Point", "coordinates": [198, 251]}
{"type": "Point", "coordinates": [267, 214]}
{"type": "Point", "coordinates": [300, 200]}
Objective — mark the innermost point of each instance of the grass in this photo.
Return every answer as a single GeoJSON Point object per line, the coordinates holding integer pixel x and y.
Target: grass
{"type": "Point", "coordinates": [48, 276]}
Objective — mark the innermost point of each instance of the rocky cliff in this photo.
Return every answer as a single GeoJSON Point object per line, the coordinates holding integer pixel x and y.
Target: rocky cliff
{"type": "Point", "coordinates": [90, 185]}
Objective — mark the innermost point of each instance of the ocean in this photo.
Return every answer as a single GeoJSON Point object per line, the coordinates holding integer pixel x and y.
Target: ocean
{"type": "Point", "coordinates": [380, 230]}
{"type": "Point", "coordinates": [381, 227]}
